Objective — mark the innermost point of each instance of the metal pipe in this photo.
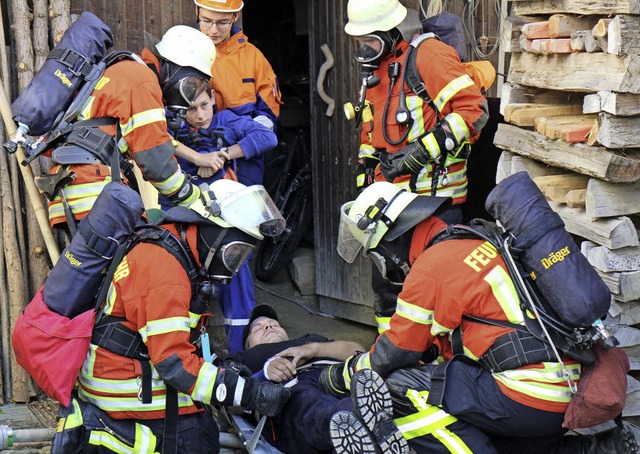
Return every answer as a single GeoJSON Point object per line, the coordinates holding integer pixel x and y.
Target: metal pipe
{"type": "Point", "coordinates": [228, 440]}
{"type": "Point", "coordinates": [8, 436]}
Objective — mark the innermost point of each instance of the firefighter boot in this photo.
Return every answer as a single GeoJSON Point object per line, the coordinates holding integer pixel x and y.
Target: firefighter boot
{"type": "Point", "coordinates": [350, 436]}
{"type": "Point", "coordinates": [372, 404]}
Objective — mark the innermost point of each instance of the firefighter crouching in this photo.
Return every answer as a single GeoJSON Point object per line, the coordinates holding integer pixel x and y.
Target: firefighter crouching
{"type": "Point", "coordinates": [142, 386]}
{"type": "Point", "coordinates": [478, 410]}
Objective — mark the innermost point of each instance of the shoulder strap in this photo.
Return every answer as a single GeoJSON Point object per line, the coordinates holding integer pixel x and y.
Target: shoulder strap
{"type": "Point", "coordinates": [117, 55]}
{"type": "Point", "coordinates": [411, 74]}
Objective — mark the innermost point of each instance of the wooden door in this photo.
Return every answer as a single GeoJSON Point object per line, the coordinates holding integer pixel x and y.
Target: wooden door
{"type": "Point", "coordinates": [344, 289]}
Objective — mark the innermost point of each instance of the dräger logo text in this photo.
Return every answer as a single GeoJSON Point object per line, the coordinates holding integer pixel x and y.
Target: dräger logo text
{"type": "Point", "coordinates": [63, 77]}
{"type": "Point", "coordinates": [72, 260]}
{"type": "Point", "coordinates": [555, 257]}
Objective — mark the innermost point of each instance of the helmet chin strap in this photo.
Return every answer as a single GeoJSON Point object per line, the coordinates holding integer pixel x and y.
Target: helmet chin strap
{"type": "Point", "coordinates": [213, 248]}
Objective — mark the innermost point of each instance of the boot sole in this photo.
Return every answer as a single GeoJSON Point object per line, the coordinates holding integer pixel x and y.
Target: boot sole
{"type": "Point", "coordinates": [349, 435]}
{"type": "Point", "coordinates": [372, 404]}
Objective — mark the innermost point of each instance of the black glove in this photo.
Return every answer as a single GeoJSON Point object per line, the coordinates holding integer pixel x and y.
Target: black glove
{"type": "Point", "coordinates": [332, 380]}
{"type": "Point", "coordinates": [365, 172]}
{"type": "Point", "coordinates": [265, 397]}
{"type": "Point", "coordinates": [187, 136]}
{"type": "Point", "coordinates": [408, 160]}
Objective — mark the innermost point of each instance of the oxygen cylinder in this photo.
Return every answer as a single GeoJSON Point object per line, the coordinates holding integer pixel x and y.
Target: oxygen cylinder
{"type": "Point", "coordinates": [564, 276]}
{"type": "Point", "coordinates": [74, 281]}
{"type": "Point", "coordinates": [54, 86]}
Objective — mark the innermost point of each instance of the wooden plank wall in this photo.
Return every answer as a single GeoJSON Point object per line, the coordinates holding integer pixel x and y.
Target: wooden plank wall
{"type": "Point", "coordinates": [128, 19]}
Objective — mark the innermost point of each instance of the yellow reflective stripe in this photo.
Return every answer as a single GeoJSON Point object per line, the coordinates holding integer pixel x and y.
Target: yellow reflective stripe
{"type": "Point", "coordinates": [469, 353]}
{"type": "Point", "coordinates": [437, 329]}
{"type": "Point", "coordinates": [119, 403]}
{"type": "Point", "coordinates": [418, 399]}
{"type": "Point", "coordinates": [98, 437]}
{"type": "Point", "coordinates": [73, 419]}
{"type": "Point", "coordinates": [85, 112]}
{"type": "Point", "coordinates": [142, 119]}
{"type": "Point", "coordinates": [532, 382]}
{"type": "Point", "coordinates": [453, 442]}
{"type": "Point", "coordinates": [203, 389]}
{"type": "Point", "coordinates": [431, 144]}
{"type": "Point", "coordinates": [194, 319]}
{"type": "Point", "coordinates": [451, 89]}
{"type": "Point", "coordinates": [359, 180]}
{"type": "Point", "coordinates": [171, 184]}
{"type": "Point", "coordinates": [424, 422]}
{"type": "Point", "coordinates": [145, 440]}
{"type": "Point", "coordinates": [414, 313]}
{"type": "Point", "coordinates": [164, 326]}
{"type": "Point", "coordinates": [458, 127]}
{"type": "Point", "coordinates": [56, 209]}
{"type": "Point", "coordinates": [503, 289]}
{"type": "Point", "coordinates": [366, 151]}
{"type": "Point", "coordinates": [384, 323]}
{"type": "Point", "coordinates": [415, 104]}
{"type": "Point", "coordinates": [78, 191]}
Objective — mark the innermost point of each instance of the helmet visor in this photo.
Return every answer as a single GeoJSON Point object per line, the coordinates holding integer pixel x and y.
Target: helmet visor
{"type": "Point", "coordinates": [182, 94]}
{"type": "Point", "coordinates": [234, 255]}
{"type": "Point", "coordinates": [367, 48]}
{"type": "Point", "coordinates": [252, 208]}
{"type": "Point", "coordinates": [350, 237]}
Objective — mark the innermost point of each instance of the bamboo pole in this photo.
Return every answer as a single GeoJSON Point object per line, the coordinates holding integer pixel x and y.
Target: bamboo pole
{"type": "Point", "coordinates": [32, 191]}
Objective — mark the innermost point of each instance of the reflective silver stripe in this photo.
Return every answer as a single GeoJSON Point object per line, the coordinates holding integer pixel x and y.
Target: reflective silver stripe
{"type": "Point", "coordinates": [236, 321]}
{"type": "Point", "coordinates": [171, 184]}
{"type": "Point", "coordinates": [414, 313]}
{"type": "Point", "coordinates": [458, 127]}
{"type": "Point", "coordinates": [237, 395]}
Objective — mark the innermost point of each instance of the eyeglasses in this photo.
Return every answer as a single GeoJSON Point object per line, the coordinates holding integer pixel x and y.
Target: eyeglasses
{"type": "Point", "coordinates": [208, 23]}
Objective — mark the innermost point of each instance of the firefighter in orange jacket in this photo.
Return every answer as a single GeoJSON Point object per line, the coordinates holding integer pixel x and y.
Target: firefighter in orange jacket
{"type": "Point", "coordinates": [243, 79]}
{"type": "Point", "coordinates": [418, 145]}
{"type": "Point", "coordinates": [132, 92]}
{"type": "Point", "coordinates": [143, 383]}
{"type": "Point", "coordinates": [482, 408]}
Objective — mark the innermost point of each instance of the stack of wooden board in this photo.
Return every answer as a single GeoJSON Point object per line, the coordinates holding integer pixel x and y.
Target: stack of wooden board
{"type": "Point", "coordinates": [572, 112]}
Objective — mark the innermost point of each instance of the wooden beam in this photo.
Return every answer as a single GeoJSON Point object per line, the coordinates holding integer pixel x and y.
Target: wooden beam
{"type": "Point", "coordinates": [576, 198]}
{"type": "Point", "coordinates": [618, 132]}
{"type": "Point", "coordinates": [562, 25]}
{"type": "Point", "coordinates": [513, 94]}
{"type": "Point", "coordinates": [556, 187]}
{"type": "Point", "coordinates": [608, 260]}
{"type": "Point", "coordinates": [612, 199]}
{"type": "Point", "coordinates": [599, 33]}
{"type": "Point", "coordinates": [621, 104]}
{"type": "Point", "coordinates": [627, 313]}
{"type": "Point", "coordinates": [512, 31]}
{"type": "Point", "coordinates": [525, 114]}
{"type": "Point", "coordinates": [624, 35]}
{"type": "Point", "coordinates": [613, 233]}
{"type": "Point", "coordinates": [577, 72]}
{"type": "Point", "coordinates": [624, 286]}
{"type": "Point", "coordinates": [559, 127]}
{"type": "Point", "coordinates": [601, 7]}
{"type": "Point", "coordinates": [594, 161]}
{"type": "Point", "coordinates": [536, 30]}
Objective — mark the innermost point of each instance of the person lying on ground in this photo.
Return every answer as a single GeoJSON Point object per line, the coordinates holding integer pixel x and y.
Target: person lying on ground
{"type": "Point", "coordinates": [303, 423]}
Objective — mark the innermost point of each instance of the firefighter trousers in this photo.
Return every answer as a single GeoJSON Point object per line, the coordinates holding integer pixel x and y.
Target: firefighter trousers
{"type": "Point", "coordinates": [475, 416]}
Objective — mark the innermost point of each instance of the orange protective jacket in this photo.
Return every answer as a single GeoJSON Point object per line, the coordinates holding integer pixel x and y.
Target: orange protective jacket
{"type": "Point", "coordinates": [130, 92]}
{"type": "Point", "coordinates": [243, 79]}
{"type": "Point", "coordinates": [151, 290]}
{"type": "Point", "coordinates": [449, 280]}
{"type": "Point", "coordinates": [455, 96]}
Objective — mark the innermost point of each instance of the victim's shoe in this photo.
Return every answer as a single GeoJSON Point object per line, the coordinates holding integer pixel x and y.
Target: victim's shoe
{"type": "Point", "coordinates": [349, 435]}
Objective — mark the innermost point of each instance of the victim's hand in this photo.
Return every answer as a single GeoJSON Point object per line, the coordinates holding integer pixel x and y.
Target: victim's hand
{"type": "Point", "coordinates": [279, 369]}
{"type": "Point", "coordinates": [301, 354]}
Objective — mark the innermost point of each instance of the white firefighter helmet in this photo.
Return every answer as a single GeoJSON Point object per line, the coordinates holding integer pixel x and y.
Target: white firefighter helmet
{"type": "Point", "coordinates": [188, 47]}
{"type": "Point", "coordinates": [368, 16]}
{"type": "Point", "coordinates": [248, 208]}
{"type": "Point", "coordinates": [382, 210]}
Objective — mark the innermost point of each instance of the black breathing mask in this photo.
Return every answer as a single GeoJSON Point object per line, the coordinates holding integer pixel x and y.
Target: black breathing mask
{"type": "Point", "coordinates": [222, 251]}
